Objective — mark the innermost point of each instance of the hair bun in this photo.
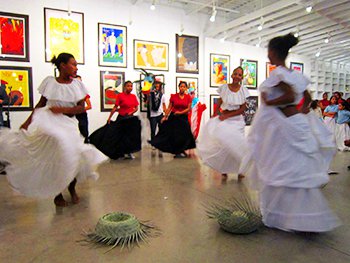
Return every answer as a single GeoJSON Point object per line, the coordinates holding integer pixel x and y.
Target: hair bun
{"type": "Point", "coordinates": [290, 40]}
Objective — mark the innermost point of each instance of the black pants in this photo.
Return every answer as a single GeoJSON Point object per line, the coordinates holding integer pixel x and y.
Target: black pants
{"type": "Point", "coordinates": [154, 122]}
{"type": "Point", "coordinates": [83, 124]}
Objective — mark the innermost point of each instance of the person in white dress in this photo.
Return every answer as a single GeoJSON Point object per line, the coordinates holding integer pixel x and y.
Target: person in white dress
{"type": "Point", "coordinates": [48, 153]}
{"type": "Point", "coordinates": [222, 143]}
{"type": "Point", "coordinates": [289, 151]}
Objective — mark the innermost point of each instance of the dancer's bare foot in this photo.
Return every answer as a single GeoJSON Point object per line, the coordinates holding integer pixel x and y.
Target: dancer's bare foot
{"type": "Point", "coordinates": [240, 176]}
{"type": "Point", "coordinates": [59, 201]}
{"type": "Point", "coordinates": [75, 198]}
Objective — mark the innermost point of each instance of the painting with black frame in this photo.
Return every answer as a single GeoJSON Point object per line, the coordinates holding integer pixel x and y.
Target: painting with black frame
{"type": "Point", "coordinates": [252, 106]}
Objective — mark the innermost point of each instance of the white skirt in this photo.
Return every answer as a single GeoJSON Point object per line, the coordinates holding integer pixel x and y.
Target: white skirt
{"type": "Point", "coordinates": [222, 144]}
{"type": "Point", "coordinates": [330, 123]}
{"type": "Point", "coordinates": [288, 161]}
{"type": "Point", "coordinates": [45, 158]}
{"type": "Point", "coordinates": [296, 209]}
{"type": "Point", "coordinates": [342, 133]}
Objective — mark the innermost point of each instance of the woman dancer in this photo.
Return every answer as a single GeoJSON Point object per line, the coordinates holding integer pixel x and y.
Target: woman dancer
{"type": "Point", "coordinates": [342, 130]}
{"type": "Point", "coordinates": [290, 151]}
{"type": "Point", "coordinates": [120, 138]}
{"type": "Point", "coordinates": [330, 114]}
{"type": "Point", "coordinates": [222, 144]}
{"type": "Point", "coordinates": [175, 134]}
{"type": "Point", "coordinates": [48, 153]}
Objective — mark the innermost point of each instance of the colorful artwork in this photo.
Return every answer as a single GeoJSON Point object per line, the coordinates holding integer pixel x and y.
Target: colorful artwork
{"type": "Point", "coordinates": [252, 106]}
{"type": "Point", "coordinates": [17, 82]}
{"type": "Point", "coordinates": [214, 99]}
{"type": "Point", "coordinates": [64, 32]}
{"type": "Point", "coordinates": [145, 85]}
{"type": "Point", "coordinates": [111, 85]}
{"type": "Point", "coordinates": [250, 73]}
{"type": "Point", "coordinates": [219, 69]}
{"type": "Point", "coordinates": [112, 45]}
{"type": "Point", "coordinates": [192, 84]}
{"type": "Point", "coordinates": [14, 37]}
{"type": "Point", "coordinates": [151, 55]}
{"type": "Point", "coordinates": [297, 66]}
{"type": "Point", "coordinates": [187, 54]}
{"type": "Point", "coordinates": [269, 68]}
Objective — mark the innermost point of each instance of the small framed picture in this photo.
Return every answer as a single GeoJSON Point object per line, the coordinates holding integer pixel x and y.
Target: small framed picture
{"type": "Point", "coordinates": [17, 83]}
{"type": "Point", "coordinates": [269, 68]}
{"type": "Point", "coordinates": [187, 54]}
{"type": "Point", "coordinates": [250, 73]}
{"type": "Point", "coordinates": [111, 85]}
{"type": "Point", "coordinates": [151, 55]}
{"type": "Point", "coordinates": [252, 106]}
{"type": "Point", "coordinates": [191, 83]}
{"type": "Point", "coordinates": [14, 36]}
{"type": "Point", "coordinates": [297, 66]}
{"type": "Point", "coordinates": [64, 32]}
{"type": "Point", "coordinates": [112, 49]}
{"type": "Point", "coordinates": [219, 69]}
{"type": "Point", "coordinates": [214, 99]}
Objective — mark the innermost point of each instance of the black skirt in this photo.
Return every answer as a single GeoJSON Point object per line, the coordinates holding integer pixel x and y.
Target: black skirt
{"type": "Point", "coordinates": [120, 137]}
{"type": "Point", "coordinates": [174, 135]}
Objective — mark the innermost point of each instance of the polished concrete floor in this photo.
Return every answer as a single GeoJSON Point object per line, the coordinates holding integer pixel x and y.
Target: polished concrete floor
{"type": "Point", "coordinates": [171, 193]}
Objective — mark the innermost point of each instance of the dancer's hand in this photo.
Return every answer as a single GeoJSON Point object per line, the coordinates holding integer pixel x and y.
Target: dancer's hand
{"type": "Point", "coordinates": [56, 110]}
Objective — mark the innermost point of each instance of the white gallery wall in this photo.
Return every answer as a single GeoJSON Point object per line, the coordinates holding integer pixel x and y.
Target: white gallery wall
{"type": "Point", "coordinates": [159, 25]}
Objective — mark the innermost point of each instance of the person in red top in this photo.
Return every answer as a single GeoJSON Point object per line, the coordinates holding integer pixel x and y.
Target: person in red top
{"type": "Point", "coordinates": [324, 102]}
{"type": "Point", "coordinates": [122, 137]}
{"type": "Point", "coordinates": [175, 134]}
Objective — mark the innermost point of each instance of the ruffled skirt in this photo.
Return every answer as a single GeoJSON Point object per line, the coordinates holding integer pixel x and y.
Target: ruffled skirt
{"type": "Point", "coordinates": [120, 137]}
{"type": "Point", "coordinates": [45, 158]}
{"type": "Point", "coordinates": [342, 133]}
{"type": "Point", "coordinates": [222, 144]}
{"type": "Point", "coordinates": [288, 161]}
{"type": "Point", "coordinates": [174, 136]}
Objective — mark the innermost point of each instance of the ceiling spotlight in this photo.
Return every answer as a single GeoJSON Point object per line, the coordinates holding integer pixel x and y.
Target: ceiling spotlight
{"type": "Point", "coordinates": [222, 40]}
{"type": "Point", "coordinates": [153, 6]}
{"type": "Point", "coordinates": [260, 27]}
{"type": "Point", "coordinates": [213, 15]}
{"type": "Point", "coordinates": [296, 34]}
{"type": "Point", "coordinates": [318, 53]}
{"type": "Point", "coordinates": [309, 9]}
{"type": "Point", "coordinates": [326, 40]}
{"type": "Point", "coordinates": [259, 42]}
{"type": "Point", "coordinates": [181, 30]}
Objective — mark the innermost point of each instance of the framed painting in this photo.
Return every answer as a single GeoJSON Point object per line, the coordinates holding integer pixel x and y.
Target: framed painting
{"type": "Point", "coordinates": [151, 55]}
{"type": "Point", "coordinates": [112, 49]}
{"type": "Point", "coordinates": [111, 85]}
{"type": "Point", "coordinates": [143, 97]}
{"type": "Point", "coordinates": [192, 83]}
{"type": "Point", "coordinates": [17, 82]}
{"type": "Point", "coordinates": [219, 69]}
{"type": "Point", "coordinates": [269, 68]}
{"type": "Point", "coordinates": [14, 37]}
{"type": "Point", "coordinates": [214, 99]}
{"type": "Point", "coordinates": [297, 66]}
{"type": "Point", "coordinates": [252, 106]}
{"type": "Point", "coordinates": [187, 48]}
{"type": "Point", "coordinates": [250, 73]}
{"type": "Point", "coordinates": [64, 32]}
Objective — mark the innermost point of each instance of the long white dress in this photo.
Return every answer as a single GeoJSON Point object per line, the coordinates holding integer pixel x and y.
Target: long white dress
{"type": "Point", "coordinates": [288, 161]}
{"type": "Point", "coordinates": [222, 143]}
{"type": "Point", "coordinates": [47, 156]}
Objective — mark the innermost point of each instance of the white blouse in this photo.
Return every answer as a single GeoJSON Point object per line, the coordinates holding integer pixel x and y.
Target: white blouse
{"type": "Point", "coordinates": [295, 79]}
{"type": "Point", "coordinates": [62, 95]}
{"type": "Point", "coordinates": [232, 100]}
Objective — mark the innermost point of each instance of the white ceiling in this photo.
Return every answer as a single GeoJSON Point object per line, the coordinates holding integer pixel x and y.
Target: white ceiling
{"type": "Point", "coordinates": [328, 19]}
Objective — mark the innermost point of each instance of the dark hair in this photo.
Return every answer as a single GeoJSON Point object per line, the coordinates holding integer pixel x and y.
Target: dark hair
{"type": "Point", "coordinates": [62, 58]}
{"type": "Point", "coordinates": [127, 82]}
{"type": "Point", "coordinates": [182, 82]}
{"type": "Point", "coordinates": [344, 104]}
{"type": "Point", "coordinates": [282, 44]}
{"type": "Point", "coordinates": [314, 104]}
{"type": "Point", "coordinates": [330, 99]}
{"type": "Point", "coordinates": [239, 67]}
{"type": "Point", "coordinates": [325, 93]}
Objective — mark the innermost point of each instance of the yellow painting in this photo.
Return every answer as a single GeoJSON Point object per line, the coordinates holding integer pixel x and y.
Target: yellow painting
{"type": "Point", "coordinates": [17, 82]}
{"type": "Point", "coordinates": [64, 33]}
{"type": "Point", "coordinates": [151, 55]}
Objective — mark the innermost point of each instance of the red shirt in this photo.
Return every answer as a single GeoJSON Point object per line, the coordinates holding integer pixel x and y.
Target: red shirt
{"type": "Point", "coordinates": [325, 102]}
{"type": "Point", "coordinates": [126, 102]}
{"type": "Point", "coordinates": [178, 103]}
